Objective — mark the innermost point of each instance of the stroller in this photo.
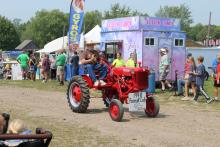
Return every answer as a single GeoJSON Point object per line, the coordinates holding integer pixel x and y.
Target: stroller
{"type": "Point", "coordinates": [42, 138]}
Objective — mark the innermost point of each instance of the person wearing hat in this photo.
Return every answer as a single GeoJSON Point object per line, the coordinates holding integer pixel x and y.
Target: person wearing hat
{"type": "Point", "coordinates": [164, 68]}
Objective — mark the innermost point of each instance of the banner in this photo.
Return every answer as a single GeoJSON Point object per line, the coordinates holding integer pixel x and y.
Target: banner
{"type": "Point", "coordinates": [76, 21]}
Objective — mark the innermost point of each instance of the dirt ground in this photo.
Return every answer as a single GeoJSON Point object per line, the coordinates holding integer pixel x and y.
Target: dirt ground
{"type": "Point", "coordinates": [177, 125]}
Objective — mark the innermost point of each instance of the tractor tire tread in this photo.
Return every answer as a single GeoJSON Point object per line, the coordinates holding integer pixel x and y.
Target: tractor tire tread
{"type": "Point", "coordinates": [84, 103]}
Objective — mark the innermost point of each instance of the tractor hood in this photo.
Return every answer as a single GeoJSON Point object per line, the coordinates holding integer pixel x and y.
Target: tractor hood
{"type": "Point", "coordinates": [127, 71]}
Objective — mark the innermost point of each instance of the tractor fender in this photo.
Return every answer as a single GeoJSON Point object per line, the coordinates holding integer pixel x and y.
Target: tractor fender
{"type": "Point", "coordinates": [88, 80]}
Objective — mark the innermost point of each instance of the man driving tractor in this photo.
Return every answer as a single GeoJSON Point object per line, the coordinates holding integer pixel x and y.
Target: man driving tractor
{"type": "Point", "coordinates": [91, 62]}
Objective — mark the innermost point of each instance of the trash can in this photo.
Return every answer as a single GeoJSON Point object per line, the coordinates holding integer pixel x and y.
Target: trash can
{"type": "Point", "coordinates": [151, 82]}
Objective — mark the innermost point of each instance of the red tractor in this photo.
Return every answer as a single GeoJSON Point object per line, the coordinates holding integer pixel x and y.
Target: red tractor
{"type": "Point", "coordinates": [124, 85]}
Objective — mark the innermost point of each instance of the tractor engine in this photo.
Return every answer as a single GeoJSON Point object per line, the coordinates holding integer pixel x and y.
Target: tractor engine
{"type": "Point", "coordinates": [131, 79]}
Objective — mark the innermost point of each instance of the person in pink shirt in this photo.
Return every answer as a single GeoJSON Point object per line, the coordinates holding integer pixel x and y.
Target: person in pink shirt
{"type": "Point", "coordinates": [184, 81]}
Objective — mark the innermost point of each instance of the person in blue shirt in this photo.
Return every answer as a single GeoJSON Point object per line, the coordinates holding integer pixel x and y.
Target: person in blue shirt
{"type": "Point", "coordinates": [214, 71]}
{"type": "Point", "coordinates": [214, 65]}
{"type": "Point", "coordinates": [200, 78]}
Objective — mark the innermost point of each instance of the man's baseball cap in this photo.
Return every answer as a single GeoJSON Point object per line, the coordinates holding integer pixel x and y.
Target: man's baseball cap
{"type": "Point", "coordinates": [163, 50]}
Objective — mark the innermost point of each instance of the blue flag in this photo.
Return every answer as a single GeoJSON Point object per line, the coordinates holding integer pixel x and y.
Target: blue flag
{"type": "Point", "coordinates": [76, 21]}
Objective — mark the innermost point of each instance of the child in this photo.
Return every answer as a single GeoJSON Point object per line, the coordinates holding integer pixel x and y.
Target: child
{"type": "Point", "coordinates": [191, 79]}
{"type": "Point", "coordinates": [17, 126]}
{"type": "Point", "coordinates": [200, 77]}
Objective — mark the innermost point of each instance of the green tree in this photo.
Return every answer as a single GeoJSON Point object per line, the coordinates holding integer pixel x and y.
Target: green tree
{"type": "Point", "coordinates": [194, 32]}
{"type": "Point", "coordinates": [199, 32]}
{"type": "Point", "coordinates": [137, 13]}
{"type": "Point", "coordinates": [181, 12]}
{"type": "Point", "coordinates": [9, 38]}
{"type": "Point", "coordinates": [46, 26]}
{"type": "Point", "coordinates": [19, 26]}
{"type": "Point", "coordinates": [215, 32]}
{"type": "Point", "coordinates": [92, 19]}
{"type": "Point", "coordinates": [117, 10]}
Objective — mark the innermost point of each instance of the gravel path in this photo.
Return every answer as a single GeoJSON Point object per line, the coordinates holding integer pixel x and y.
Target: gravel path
{"type": "Point", "coordinates": [176, 125]}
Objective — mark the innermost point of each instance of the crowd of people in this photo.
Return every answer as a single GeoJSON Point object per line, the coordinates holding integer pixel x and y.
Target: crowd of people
{"type": "Point", "coordinates": [92, 61]}
{"type": "Point", "coordinates": [195, 76]}
{"type": "Point", "coordinates": [48, 67]}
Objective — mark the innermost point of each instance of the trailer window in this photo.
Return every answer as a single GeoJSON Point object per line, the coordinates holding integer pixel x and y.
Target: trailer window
{"type": "Point", "coordinates": [149, 41]}
{"type": "Point", "coordinates": [179, 42]}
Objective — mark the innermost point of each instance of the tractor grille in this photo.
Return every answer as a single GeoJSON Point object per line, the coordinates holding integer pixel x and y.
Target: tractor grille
{"type": "Point", "coordinates": [142, 80]}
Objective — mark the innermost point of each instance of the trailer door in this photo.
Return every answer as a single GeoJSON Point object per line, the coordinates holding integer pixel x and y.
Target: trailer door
{"type": "Point", "coordinates": [166, 43]}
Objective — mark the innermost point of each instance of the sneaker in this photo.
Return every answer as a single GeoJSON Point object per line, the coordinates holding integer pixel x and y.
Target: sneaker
{"type": "Point", "coordinates": [102, 83]}
{"type": "Point", "coordinates": [195, 102]}
{"type": "Point", "coordinates": [210, 100]}
{"type": "Point", "coordinates": [191, 98]}
{"type": "Point", "coordinates": [185, 99]}
{"type": "Point", "coordinates": [216, 98]}
{"type": "Point", "coordinates": [96, 83]}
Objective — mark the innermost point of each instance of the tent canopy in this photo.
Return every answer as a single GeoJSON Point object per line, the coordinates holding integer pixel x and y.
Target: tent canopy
{"type": "Point", "coordinates": [55, 45]}
{"type": "Point", "coordinates": [93, 36]}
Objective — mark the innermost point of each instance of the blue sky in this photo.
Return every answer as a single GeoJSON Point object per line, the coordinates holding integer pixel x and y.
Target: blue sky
{"type": "Point", "coordinates": [25, 9]}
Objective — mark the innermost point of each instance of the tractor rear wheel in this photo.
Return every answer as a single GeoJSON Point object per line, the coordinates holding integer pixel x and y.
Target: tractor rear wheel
{"type": "Point", "coordinates": [152, 107]}
{"type": "Point", "coordinates": [78, 95]}
{"type": "Point", "coordinates": [116, 110]}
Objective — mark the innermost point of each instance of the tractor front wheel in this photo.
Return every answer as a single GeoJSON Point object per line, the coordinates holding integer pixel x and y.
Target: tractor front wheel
{"type": "Point", "coordinates": [78, 95]}
{"type": "Point", "coordinates": [152, 107]}
{"type": "Point", "coordinates": [116, 110]}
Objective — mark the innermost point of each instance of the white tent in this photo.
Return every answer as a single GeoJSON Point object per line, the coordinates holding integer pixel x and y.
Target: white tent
{"type": "Point", "coordinates": [55, 45]}
{"type": "Point", "coordinates": [59, 44]}
{"type": "Point", "coordinates": [93, 36]}
{"type": "Point", "coordinates": [81, 43]}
